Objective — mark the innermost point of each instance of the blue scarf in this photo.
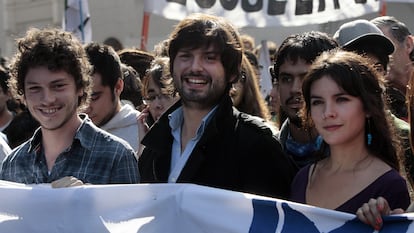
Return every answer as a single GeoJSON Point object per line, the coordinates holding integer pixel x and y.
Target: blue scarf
{"type": "Point", "coordinates": [301, 150]}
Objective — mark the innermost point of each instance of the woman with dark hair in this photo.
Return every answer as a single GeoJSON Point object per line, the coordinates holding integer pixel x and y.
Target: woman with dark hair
{"type": "Point", "coordinates": [343, 97]}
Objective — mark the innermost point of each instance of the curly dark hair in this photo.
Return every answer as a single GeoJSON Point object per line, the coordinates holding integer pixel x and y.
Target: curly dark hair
{"type": "Point", "coordinates": [55, 49]}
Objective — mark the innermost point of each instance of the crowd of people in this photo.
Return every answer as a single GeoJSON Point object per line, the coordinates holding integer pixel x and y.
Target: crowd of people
{"type": "Point", "coordinates": [334, 132]}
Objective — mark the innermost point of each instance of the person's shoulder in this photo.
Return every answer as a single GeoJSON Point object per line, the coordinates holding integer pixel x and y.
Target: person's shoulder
{"type": "Point", "coordinates": [256, 130]}
{"type": "Point", "coordinates": [127, 110]}
{"type": "Point", "coordinates": [302, 174]}
{"type": "Point", "coordinates": [92, 136]}
{"type": "Point", "coordinates": [304, 171]}
{"type": "Point", "coordinates": [123, 123]}
{"type": "Point", "coordinates": [391, 183]}
{"type": "Point", "coordinates": [256, 124]}
{"type": "Point", "coordinates": [19, 151]}
{"type": "Point", "coordinates": [392, 175]}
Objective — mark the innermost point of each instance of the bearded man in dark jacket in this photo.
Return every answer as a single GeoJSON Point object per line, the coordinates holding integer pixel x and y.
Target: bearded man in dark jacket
{"type": "Point", "coordinates": [203, 139]}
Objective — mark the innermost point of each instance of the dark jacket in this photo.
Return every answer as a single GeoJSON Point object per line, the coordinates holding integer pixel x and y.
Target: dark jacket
{"type": "Point", "coordinates": [236, 152]}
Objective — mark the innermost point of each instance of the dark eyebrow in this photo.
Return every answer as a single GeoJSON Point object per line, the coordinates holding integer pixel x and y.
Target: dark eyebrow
{"type": "Point", "coordinates": [52, 82]}
{"type": "Point", "coordinates": [215, 53]}
{"type": "Point", "coordinates": [59, 80]}
{"type": "Point", "coordinates": [32, 83]}
{"type": "Point", "coordinates": [285, 73]}
{"type": "Point", "coordinates": [315, 97]}
{"type": "Point", "coordinates": [184, 50]}
{"type": "Point", "coordinates": [336, 95]}
{"type": "Point", "coordinates": [340, 94]}
{"type": "Point", "coordinates": [96, 93]}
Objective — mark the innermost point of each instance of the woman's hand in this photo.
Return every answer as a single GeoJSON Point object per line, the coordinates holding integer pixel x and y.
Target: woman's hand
{"type": "Point", "coordinates": [371, 213]}
{"type": "Point", "coordinates": [142, 127]}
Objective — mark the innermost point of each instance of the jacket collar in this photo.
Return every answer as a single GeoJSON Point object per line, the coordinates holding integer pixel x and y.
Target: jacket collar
{"type": "Point", "coordinates": [220, 118]}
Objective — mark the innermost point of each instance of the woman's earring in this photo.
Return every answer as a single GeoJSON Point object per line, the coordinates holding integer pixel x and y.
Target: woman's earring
{"type": "Point", "coordinates": [369, 135]}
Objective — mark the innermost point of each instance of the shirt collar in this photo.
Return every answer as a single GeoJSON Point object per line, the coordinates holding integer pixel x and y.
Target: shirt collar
{"type": "Point", "coordinates": [35, 141]}
{"type": "Point", "coordinates": [83, 135]}
{"type": "Point", "coordinates": [85, 132]}
{"type": "Point", "coordinates": [176, 119]}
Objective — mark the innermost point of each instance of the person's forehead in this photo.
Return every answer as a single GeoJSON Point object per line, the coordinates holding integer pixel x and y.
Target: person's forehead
{"type": "Point", "coordinates": [97, 79]}
{"type": "Point", "coordinates": [387, 30]}
{"type": "Point", "coordinates": [211, 47]}
{"type": "Point", "coordinates": [298, 62]}
{"type": "Point", "coordinates": [42, 75]}
{"type": "Point", "coordinates": [152, 86]}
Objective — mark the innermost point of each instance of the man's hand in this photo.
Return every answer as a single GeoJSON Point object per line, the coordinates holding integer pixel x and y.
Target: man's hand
{"type": "Point", "coordinates": [67, 181]}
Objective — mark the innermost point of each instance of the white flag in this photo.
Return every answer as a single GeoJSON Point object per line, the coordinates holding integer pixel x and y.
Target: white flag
{"type": "Point", "coordinates": [77, 19]}
{"type": "Point", "coordinates": [264, 61]}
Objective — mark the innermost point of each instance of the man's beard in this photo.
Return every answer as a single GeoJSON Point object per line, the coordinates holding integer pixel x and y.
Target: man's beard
{"type": "Point", "coordinates": [297, 121]}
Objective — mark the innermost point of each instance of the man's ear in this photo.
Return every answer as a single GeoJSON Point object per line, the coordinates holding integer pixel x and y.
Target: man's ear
{"type": "Point", "coordinates": [119, 86]}
{"type": "Point", "coordinates": [409, 43]}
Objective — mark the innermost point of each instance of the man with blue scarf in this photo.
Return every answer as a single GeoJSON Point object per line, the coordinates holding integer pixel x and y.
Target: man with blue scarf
{"type": "Point", "coordinates": [293, 59]}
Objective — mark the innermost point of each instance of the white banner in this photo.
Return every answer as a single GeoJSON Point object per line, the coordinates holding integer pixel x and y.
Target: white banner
{"type": "Point", "coordinates": [172, 208]}
{"type": "Point", "coordinates": [265, 13]}
{"type": "Point", "coordinates": [402, 1]}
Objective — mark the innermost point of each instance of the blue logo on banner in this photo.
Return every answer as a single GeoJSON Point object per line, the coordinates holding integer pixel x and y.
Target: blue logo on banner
{"type": "Point", "coordinates": [266, 218]}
